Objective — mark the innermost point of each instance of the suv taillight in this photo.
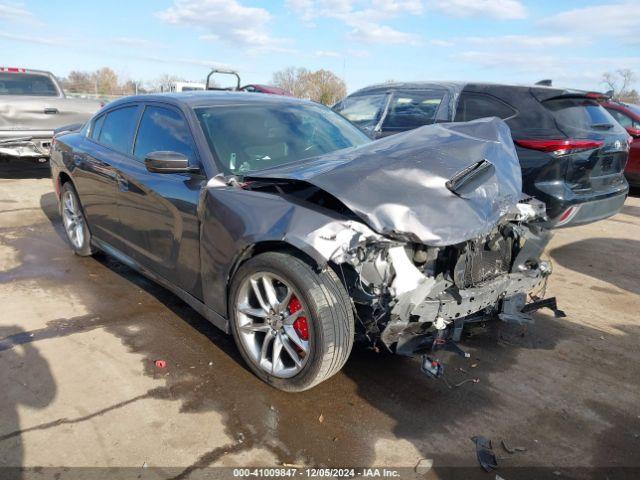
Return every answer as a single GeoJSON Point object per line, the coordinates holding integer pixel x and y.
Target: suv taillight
{"type": "Point", "coordinates": [559, 146]}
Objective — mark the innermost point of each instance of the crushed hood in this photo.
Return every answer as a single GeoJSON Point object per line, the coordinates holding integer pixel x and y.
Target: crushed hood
{"type": "Point", "coordinates": [438, 185]}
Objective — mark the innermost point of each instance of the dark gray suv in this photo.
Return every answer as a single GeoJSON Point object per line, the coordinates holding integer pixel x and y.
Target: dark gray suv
{"type": "Point", "coordinates": [572, 152]}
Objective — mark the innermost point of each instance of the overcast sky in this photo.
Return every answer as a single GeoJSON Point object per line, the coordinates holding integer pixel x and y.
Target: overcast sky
{"type": "Point", "coordinates": [365, 42]}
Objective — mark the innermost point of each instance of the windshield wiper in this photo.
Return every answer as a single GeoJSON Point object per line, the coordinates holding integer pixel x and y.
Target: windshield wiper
{"type": "Point", "coordinates": [603, 126]}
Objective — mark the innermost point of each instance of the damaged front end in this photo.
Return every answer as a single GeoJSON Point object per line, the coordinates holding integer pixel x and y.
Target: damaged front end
{"type": "Point", "coordinates": [414, 298]}
{"type": "Point", "coordinates": [437, 233]}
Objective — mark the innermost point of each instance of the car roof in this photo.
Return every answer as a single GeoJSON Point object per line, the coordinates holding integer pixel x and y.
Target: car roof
{"type": "Point", "coordinates": [456, 86]}
{"type": "Point", "coordinates": [629, 108]}
{"type": "Point", "coordinates": [208, 98]}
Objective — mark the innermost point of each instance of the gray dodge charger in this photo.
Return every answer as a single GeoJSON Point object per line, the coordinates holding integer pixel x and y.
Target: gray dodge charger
{"type": "Point", "coordinates": [285, 226]}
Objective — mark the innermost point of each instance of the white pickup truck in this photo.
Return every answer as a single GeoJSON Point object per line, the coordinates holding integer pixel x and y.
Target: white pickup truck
{"type": "Point", "coordinates": [32, 106]}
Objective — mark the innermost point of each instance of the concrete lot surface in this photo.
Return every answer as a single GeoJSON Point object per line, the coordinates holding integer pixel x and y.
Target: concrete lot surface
{"type": "Point", "coordinates": [79, 387]}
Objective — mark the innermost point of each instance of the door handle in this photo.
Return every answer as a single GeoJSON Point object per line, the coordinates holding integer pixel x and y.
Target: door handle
{"type": "Point", "coordinates": [123, 184]}
{"type": "Point", "coordinates": [51, 111]}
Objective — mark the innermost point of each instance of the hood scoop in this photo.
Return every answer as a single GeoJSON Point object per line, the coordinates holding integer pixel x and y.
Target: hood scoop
{"type": "Point", "coordinates": [470, 178]}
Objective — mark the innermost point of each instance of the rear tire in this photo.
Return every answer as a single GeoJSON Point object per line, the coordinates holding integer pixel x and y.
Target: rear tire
{"type": "Point", "coordinates": [74, 221]}
{"type": "Point", "coordinates": [323, 304]}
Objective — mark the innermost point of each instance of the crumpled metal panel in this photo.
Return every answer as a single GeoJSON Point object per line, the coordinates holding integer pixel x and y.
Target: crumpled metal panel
{"type": "Point", "coordinates": [397, 184]}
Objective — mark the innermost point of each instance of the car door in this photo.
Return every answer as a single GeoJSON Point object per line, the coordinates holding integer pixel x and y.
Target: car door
{"type": "Point", "coordinates": [109, 139]}
{"type": "Point", "coordinates": [158, 211]}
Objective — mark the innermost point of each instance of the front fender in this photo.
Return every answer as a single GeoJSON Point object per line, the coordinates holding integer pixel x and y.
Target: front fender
{"type": "Point", "coordinates": [234, 220]}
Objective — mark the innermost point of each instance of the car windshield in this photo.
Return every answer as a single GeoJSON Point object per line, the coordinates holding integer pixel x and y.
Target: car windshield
{"type": "Point", "coordinates": [363, 110]}
{"type": "Point", "coordinates": [27, 84]}
{"type": "Point", "coordinates": [249, 138]}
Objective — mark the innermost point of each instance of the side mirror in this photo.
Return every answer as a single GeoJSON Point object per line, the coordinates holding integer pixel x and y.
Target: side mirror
{"type": "Point", "coordinates": [168, 162]}
{"type": "Point", "coordinates": [634, 132]}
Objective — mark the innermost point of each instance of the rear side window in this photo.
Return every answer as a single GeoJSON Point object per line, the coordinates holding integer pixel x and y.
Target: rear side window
{"type": "Point", "coordinates": [472, 106]}
{"type": "Point", "coordinates": [163, 129]}
{"type": "Point", "coordinates": [413, 109]}
{"type": "Point", "coordinates": [579, 113]}
{"type": "Point", "coordinates": [118, 128]}
{"type": "Point", "coordinates": [27, 84]}
{"type": "Point", "coordinates": [96, 127]}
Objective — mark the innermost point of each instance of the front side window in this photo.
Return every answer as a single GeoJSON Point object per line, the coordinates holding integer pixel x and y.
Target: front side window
{"type": "Point", "coordinates": [27, 84]}
{"type": "Point", "coordinates": [248, 138]}
{"type": "Point", "coordinates": [472, 106]}
{"type": "Point", "coordinates": [163, 129]}
{"type": "Point", "coordinates": [118, 129]}
{"type": "Point", "coordinates": [412, 109]}
{"type": "Point", "coordinates": [362, 110]}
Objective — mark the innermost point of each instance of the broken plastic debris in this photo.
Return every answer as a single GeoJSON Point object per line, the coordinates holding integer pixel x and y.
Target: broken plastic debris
{"type": "Point", "coordinates": [474, 380]}
{"type": "Point", "coordinates": [423, 466]}
{"type": "Point", "coordinates": [509, 449]}
{"type": "Point", "coordinates": [161, 363]}
{"type": "Point", "coordinates": [485, 454]}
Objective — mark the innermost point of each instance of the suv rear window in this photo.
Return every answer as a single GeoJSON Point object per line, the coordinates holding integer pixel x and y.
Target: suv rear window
{"type": "Point", "coordinates": [27, 84]}
{"type": "Point", "coordinates": [579, 113]}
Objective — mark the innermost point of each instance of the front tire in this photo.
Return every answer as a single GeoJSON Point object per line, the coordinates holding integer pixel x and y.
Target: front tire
{"type": "Point", "coordinates": [74, 222]}
{"type": "Point", "coordinates": [293, 326]}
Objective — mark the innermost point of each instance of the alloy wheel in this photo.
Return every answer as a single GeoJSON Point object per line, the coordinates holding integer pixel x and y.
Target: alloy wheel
{"type": "Point", "coordinates": [73, 219]}
{"type": "Point", "coordinates": [273, 324]}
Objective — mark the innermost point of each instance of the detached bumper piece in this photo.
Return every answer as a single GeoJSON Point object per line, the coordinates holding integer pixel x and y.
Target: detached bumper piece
{"type": "Point", "coordinates": [428, 345]}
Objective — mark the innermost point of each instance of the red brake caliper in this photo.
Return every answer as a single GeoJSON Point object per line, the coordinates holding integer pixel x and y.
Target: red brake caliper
{"type": "Point", "coordinates": [300, 325]}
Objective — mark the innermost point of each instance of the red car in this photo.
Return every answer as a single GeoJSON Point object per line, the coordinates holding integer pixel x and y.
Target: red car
{"type": "Point", "coordinates": [628, 115]}
{"type": "Point", "coordinates": [265, 89]}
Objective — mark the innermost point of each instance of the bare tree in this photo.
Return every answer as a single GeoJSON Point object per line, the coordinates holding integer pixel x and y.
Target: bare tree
{"type": "Point", "coordinates": [325, 87]}
{"type": "Point", "coordinates": [620, 83]}
{"type": "Point", "coordinates": [293, 80]}
{"type": "Point", "coordinates": [78, 82]}
{"type": "Point", "coordinates": [106, 81]}
{"type": "Point", "coordinates": [320, 86]}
